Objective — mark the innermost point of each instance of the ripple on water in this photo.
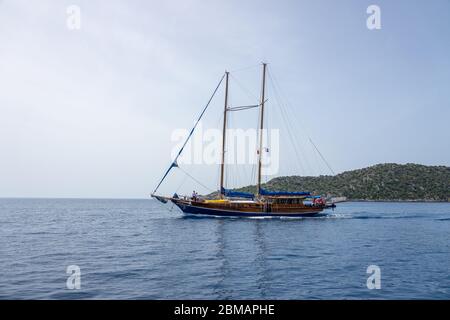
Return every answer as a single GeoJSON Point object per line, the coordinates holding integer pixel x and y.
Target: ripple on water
{"type": "Point", "coordinates": [139, 249]}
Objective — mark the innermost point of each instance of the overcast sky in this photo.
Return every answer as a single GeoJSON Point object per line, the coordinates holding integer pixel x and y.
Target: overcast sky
{"type": "Point", "coordinates": [90, 112]}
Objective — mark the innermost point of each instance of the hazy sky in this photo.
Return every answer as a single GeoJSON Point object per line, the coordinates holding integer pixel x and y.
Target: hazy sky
{"type": "Point", "coordinates": [90, 112]}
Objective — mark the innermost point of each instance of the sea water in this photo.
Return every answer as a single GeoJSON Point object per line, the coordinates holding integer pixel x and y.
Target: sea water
{"type": "Point", "coordinates": [142, 249]}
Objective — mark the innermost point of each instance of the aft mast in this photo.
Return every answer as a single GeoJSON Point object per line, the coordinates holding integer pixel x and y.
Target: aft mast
{"type": "Point", "coordinates": [261, 127]}
{"type": "Point", "coordinates": [222, 165]}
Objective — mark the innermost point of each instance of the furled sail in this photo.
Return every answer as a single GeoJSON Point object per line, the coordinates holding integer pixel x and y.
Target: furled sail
{"type": "Point", "coordinates": [264, 192]}
{"type": "Point", "coordinates": [161, 199]}
{"type": "Point", "coordinates": [237, 194]}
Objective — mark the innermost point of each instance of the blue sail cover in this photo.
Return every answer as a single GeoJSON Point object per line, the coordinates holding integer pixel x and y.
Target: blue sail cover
{"type": "Point", "coordinates": [264, 192]}
{"type": "Point", "coordinates": [237, 194]}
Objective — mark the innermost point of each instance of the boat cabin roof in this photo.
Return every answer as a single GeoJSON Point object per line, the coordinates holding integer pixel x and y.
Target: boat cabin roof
{"type": "Point", "coordinates": [286, 197]}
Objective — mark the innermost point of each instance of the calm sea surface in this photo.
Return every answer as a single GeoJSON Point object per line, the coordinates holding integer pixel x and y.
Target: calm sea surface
{"type": "Point", "coordinates": [141, 249]}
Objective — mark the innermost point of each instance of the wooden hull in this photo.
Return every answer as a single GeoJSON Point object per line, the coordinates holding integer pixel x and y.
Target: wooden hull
{"type": "Point", "coordinates": [245, 210]}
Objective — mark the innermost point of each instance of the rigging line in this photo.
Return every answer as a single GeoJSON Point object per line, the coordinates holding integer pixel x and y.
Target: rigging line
{"type": "Point", "coordinates": [323, 158]}
{"type": "Point", "coordinates": [252, 159]}
{"type": "Point", "coordinates": [253, 168]}
{"type": "Point", "coordinates": [233, 168]}
{"type": "Point", "coordinates": [248, 92]}
{"type": "Point", "coordinates": [228, 152]}
{"type": "Point", "coordinates": [317, 161]}
{"type": "Point", "coordinates": [285, 106]}
{"type": "Point", "coordinates": [217, 176]}
{"type": "Point", "coordinates": [266, 137]}
{"type": "Point", "coordinates": [269, 138]}
{"type": "Point", "coordinates": [297, 142]}
{"type": "Point", "coordinates": [174, 162]}
{"type": "Point", "coordinates": [208, 188]}
{"type": "Point", "coordinates": [255, 154]}
{"type": "Point", "coordinates": [288, 127]}
{"type": "Point", "coordinates": [292, 138]}
{"type": "Point", "coordinates": [309, 137]}
{"type": "Point", "coordinates": [182, 184]}
{"type": "Point", "coordinates": [246, 175]}
{"type": "Point", "coordinates": [246, 68]}
{"type": "Point", "coordinates": [240, 108]}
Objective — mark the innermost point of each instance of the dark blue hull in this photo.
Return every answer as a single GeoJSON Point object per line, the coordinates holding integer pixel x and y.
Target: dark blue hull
{"type": "Point", "coordinates": [189, 209]}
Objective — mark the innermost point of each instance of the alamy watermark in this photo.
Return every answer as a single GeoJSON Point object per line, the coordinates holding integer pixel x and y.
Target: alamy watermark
{"type": "Point", "coordinates": [73, 19]}
{"type": "Point", "coordinates": [374, 20]}
{"type": "Point", "coordinates": [374, 280]}
{"type": "Point", "coordinates": [242, 147]}
{"type": "Point", "coordinates": [74, 280]}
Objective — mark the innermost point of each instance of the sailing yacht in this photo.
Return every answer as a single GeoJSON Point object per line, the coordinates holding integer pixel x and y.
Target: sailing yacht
{"type": "Point", "coordinates": [232, 203]}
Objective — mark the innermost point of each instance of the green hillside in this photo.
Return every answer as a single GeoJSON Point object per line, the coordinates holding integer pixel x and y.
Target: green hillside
{"type": "Point", "coordinates": [388, 181]}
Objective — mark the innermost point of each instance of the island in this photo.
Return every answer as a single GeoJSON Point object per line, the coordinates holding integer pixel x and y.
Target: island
{"type": "Point", "coordinates": [381, 182]}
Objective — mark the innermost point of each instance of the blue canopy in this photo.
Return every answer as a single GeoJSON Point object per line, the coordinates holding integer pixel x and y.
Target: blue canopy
{"type": "Point", "coordinates": [237, 194]}
{"type": "Point", "coordinates": [283, 193]}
